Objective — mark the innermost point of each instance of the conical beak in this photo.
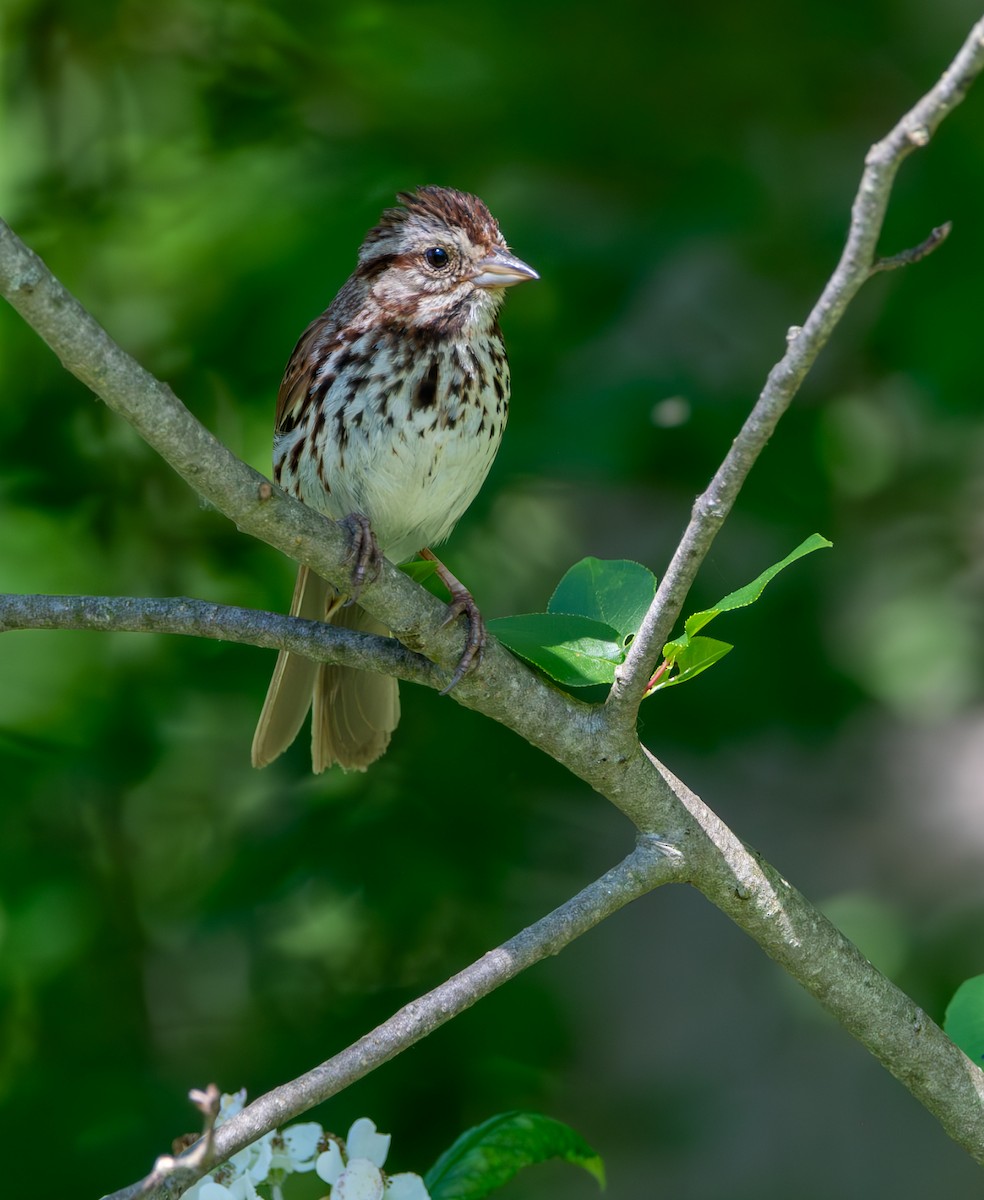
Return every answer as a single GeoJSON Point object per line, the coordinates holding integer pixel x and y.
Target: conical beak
{"type": "Point", "coordinates": [501, 269]}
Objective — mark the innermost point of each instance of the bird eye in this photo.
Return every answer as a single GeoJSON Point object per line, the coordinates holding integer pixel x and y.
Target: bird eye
{"type": "Point", "coordinates": [437, 257]}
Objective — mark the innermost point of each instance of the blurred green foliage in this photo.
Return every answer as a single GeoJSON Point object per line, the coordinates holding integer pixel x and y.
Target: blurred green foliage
{"type": "Point", "coordinates": [200, 174]}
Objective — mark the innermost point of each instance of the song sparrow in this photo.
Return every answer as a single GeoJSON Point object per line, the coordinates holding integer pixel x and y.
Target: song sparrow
{"type": "Point", "coordinates": [390, 412]}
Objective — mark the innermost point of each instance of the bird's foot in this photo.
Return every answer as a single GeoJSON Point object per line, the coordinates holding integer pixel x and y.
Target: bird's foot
{"type": "Point", "coordinates": [462, 604]}
{"type": "Point", "coordinates": [363, 553]}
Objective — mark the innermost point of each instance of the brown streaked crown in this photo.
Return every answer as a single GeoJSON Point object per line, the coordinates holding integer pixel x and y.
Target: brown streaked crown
{"type": "Point", "coordinates": [431, 209]}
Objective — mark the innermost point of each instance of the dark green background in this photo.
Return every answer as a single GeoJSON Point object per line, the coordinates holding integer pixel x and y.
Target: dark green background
{"type": "Point", "coordinates": [200, 174]}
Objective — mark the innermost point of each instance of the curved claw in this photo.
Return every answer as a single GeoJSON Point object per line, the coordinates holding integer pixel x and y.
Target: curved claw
{"type": "Point", "coordinates": [471, 657]}
{"type": "Point", "coordinates": [462, 604]}
{"type": "Point", "coordinates": [363, 553]}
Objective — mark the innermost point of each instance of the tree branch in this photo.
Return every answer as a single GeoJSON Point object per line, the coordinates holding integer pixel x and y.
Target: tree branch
{"type": "Point", "coordinates": [651, 864]}
{"type": "Point", "coordinates": [686, 840]}
{"type": "Point", "coordinates": [857, 264]}
{"type": "Point", "coordinates": [831, 968]}
{"type": "Point", "coordinates": [220, 622]}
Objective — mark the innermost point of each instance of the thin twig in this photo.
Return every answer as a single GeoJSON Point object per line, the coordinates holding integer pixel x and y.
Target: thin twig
{"type": "Point", "coordinates": [906, 258]}
{"type": "Point", "coordinates": [804, 344]}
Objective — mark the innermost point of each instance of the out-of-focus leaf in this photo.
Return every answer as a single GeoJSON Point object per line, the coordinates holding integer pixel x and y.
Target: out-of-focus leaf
{"type": "Point", "coordinates": [419, 570]}
{"type": "Point", "coordinates": [486, 1157]}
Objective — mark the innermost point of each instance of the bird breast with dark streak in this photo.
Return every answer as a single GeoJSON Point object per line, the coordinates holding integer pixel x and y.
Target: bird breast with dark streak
{"type": "Point", "coordinates": [406, 425]}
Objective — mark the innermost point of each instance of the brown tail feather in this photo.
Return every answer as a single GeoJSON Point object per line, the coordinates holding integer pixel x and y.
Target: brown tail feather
{"type": "Point", "coordinates": [355, 712]}
{"type": "Point", "coordinates": [288, 697]}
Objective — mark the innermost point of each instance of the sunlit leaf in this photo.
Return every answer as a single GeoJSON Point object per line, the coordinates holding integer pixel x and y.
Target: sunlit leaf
{"type": "Point", "coordinates": [576, 651]}
{"type": "Point", "coordinates": [690, 656]}
{"type": "Point", "coordinates": [596, 610]}
{"type": "Point", "coordinates": [617, 592]}
{"type": "Point", "coordinates": [686, 656]}
{"type": "Point", "coordinates": [751, 591]}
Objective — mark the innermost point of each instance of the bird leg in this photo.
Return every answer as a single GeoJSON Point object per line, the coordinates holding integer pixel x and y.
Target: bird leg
{"type": "Point", "coordinates": [363, 553]}
{"type": "Point", "coordinates": [462, 602]}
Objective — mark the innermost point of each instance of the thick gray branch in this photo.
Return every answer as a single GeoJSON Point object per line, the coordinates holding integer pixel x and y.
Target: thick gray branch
{"type": "Point", "coordinates": [857, 264]}
{"type": "Point", "coordinates": [832, 969]}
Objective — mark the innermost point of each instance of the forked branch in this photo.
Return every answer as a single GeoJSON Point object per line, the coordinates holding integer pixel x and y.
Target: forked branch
{"type": "Point", "coordinates": [857, 264]}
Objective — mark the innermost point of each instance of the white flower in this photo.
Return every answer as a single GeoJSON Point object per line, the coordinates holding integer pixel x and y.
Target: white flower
{"type": "Point", "coordinates": [356, 1175]}
{"type": "Point", "coordinates": [230, 1104]}
{"type": "Point", "coordinates": [238, 1189]}
{"type": "Point", "coordinates": [361, 1180]}
{"type": "Point", "coordinates": [254, 1161]}
{"type": "Point", "coordinates": [405, 1186]}
{"type": "Point", "coordinates": [205, 1189]}
{"type": "Point", "coordinates": [296, 1148]}
{"type": "Point", "coordinates": [330, 1164]}
{"type": "Point", "coordinates": [364, 1142]}
{"type": "Point", "coordinates": [237, 1178]}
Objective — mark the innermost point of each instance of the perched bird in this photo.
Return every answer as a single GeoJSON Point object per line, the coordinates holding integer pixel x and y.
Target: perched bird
{"type": "Point", "coordinates": [390, 413]}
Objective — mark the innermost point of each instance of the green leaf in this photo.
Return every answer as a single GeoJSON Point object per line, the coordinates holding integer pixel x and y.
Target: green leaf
{"type": "Point", "coordinates": [690, 656]}
{"type": "Point", "coordinates": [596, 611]}
{"type": "Point", "coordinates": [488, 1156]}
{"type": "Point", "coordinates": [964, 1021]}
{"type": "Point", "coordinates": [617, 592]}
{"type": "Point", "coordinates": [592, 616]}
{"type": "Point", "coordinates": [419, 569]}
{"type": "Point", "coordinates": [751, 591]}
{"type": "Point", "coordinates": [576, 651]}
{"type": "Point", "coordinates": [686, 656]}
